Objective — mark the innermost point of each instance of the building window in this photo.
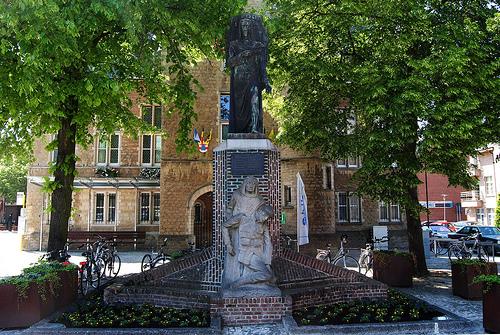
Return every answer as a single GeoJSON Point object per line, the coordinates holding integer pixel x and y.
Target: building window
{"type": "Point", "coordinates": [287, 196]}
{"type": "Point", "coordinates": [149, 211]}
{"type": "Point", "coordinates": [108, 150]}
{"type": "Point", "coordinates": [151, 143]}
{"type": "Point", "coordinates": [490, 216]}
{"type": "Point", "coordinates": [327, 177]}
{"type": "Point", "coordinates": [99, 208]}
{"type": "Point", "coordinates": [389, 212]}
{"type": "Point", "coordinates": [224, 104]}
{"type": "Point", "coordinates": [350, 162]}
{"type": "Point", "coordinates": [348, 207]}
{"type": "Point", "coordinates": [105, 208]}
{"type": "Point", "coordinates": [53, 153]}
{"type": "Point", "coordinates": [480, 215]}
{"type": "Point", "coordinates": [488, 183]}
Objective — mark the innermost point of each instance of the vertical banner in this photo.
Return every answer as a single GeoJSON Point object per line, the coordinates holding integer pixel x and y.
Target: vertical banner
{"type": "Point", "coordinates": [302, 219]}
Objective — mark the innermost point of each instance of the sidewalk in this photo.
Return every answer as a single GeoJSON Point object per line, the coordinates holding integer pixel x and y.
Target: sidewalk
{"type": "Point", "coordinates": [435, 289]}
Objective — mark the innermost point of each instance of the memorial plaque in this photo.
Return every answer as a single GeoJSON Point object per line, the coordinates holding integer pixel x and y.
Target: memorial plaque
{"type": "Point", "coordinates": [247, 164]}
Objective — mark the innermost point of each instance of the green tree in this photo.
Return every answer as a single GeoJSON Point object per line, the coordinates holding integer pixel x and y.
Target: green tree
{"type": "Point", "coordinates": [407, 85]}
{"type": "Point", "coordinates": [12, 178]}
{"type": "Point", "coordinates": [67, 67]}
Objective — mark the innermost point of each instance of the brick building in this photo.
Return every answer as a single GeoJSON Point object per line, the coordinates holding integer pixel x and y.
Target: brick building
{"type": "Point", "coordinates": [444, 200]}
{"type": "Point", "coordinates": [143, 184]}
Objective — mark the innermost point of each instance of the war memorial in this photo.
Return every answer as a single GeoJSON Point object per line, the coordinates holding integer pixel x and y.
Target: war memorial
{"type": "Point", "coordinates": [245, 277]}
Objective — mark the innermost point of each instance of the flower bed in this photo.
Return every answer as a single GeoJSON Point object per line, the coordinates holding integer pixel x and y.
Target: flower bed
{"type": "Point", "coordinates": [398, 307]}
{"type": "Point", "coordinates": [36, 293]}
{"type": "Point", "coordinates": [95, 314]}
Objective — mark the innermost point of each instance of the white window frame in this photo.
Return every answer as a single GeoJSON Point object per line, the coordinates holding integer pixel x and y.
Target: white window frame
{"type": "Point", "coordinates": [349, 206]}
{"type": "Point", "coordinates": [489, 188]}
{"type": "Point", "coordinates": [327, 170]}
{"type": "Point", "coordinates": [155, 145]}
{"type": "Point", "coordinates": [490, 216]}
{"type": "Point", "coordinates": [150, 208]}
{"type": "Point", "coordinates": [389, 208]}
{"type": "Point", "coordinates": [108, 149]}
{"type": "Point", "coordinates": [105, 208]}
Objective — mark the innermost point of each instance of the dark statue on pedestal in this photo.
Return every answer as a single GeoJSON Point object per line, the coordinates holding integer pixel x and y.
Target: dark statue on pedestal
{"type": "Point", "coordinates": [246, 55]}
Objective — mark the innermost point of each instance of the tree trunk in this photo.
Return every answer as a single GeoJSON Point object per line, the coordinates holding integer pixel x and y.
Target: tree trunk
{"type": "Point", "coordinates": [414, 231]}
{"type": "Point", "coordinates": [64, 176]}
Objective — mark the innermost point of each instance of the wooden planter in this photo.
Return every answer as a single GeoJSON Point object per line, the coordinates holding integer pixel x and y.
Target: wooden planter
{"type": "Point", "coordinates": [462, 277]}
{"type": "Point", "coordinates": [491, 311]}
{"type": "Point", "coordinates": [393, 269]}
{"type": "Point", "coordinates": [17, 312]}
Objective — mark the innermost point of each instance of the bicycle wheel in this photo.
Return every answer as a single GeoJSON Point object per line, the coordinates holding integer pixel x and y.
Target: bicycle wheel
{"type": "Point", "coordinates": [99, 265]}
{"type": "Point", "coordinates": [160, 261]}
{"type": "Point", "coordinates": [347, 262]}
{"type": "Point", "coordinates": [146, 262]}
{"type": "Point", "coordinates": [113, 266]}
{"type": "Point", "coordinates": [454, 251]}
{"type": "Point", "coordinates": [482, 254]}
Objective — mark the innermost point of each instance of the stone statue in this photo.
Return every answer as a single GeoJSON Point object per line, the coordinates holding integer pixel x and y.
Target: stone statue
{"type": "Point", "coordinates": [246, 55]}
{"type": "Point", "coordinates": [247, 239]}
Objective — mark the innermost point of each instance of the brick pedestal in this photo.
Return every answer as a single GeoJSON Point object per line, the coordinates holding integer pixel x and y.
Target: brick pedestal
{"type": "Point", "coordinates": [234, 160]}
{"type": "Point", "coordinates": [251, 310]}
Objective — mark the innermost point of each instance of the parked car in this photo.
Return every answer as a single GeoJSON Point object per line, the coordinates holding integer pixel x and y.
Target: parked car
{"type": "Point", "coordinates": [486, 234]}
{"type": "Point", "coordinates": [447, 224]}
{"type": "Point", "coordinates": [439, 231]}
{"type": "Point", "coordinates": [461, 224]}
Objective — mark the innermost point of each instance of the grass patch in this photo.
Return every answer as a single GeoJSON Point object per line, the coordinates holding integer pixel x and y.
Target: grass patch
{"type": "Point", "coordinates": [95, 314]}
{"type": "Point", "coordinates": [397, 308]}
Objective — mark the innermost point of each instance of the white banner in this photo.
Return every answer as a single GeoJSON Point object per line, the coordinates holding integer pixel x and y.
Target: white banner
{"type": "Point", "coordinates": [302, 219]}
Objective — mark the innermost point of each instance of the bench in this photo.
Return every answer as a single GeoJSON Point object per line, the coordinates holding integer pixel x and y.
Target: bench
{"type": "Point", "coordinates": [119, 237]}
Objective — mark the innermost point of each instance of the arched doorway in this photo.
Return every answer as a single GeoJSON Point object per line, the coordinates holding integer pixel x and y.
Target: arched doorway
{"type": "Point", "coordinates": [202, 220]}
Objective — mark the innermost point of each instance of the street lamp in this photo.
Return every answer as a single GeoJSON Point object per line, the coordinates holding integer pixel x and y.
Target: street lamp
{"type": "Point", "coordinates": [444, 206]}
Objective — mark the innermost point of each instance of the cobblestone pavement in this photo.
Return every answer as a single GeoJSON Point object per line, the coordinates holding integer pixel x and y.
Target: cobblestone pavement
{"type": "Point", "coordinates": [435, 289]}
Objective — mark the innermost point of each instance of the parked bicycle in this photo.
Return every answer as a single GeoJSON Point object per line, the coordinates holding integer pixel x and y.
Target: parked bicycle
{"type": "Point", "coordinates": [89, 273]}
{"type": "Point", "coordinates": [366, 256]}
{"type": "Point", "coordinates": [149, 261]}
{"type": "Point", "coordinates": [57, 255]}
{"type": "Point", "coordinates": [341, 258]}
{"type": "Point", "coordinates": [109, 260]}
{"type": "Point", "coordinates": [461, 249]}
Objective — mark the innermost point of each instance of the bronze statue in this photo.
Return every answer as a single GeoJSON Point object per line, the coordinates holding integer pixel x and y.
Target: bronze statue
{"type": "Point", "coordinates": [246, 55]}
{"type": "Point", "coordinates": [247, 239]}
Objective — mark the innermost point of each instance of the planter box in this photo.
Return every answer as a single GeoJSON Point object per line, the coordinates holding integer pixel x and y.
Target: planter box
{"type": "Point", "coordinates": [393, 269]}
{"type": "Point", "coordinates": [16, 312]}
{"type": "Point", "coordinates": [491, 311]}
{"type": "Point", "coordinates": [463, 275]}
{"type": "Point", "coordinates": [69, 289]}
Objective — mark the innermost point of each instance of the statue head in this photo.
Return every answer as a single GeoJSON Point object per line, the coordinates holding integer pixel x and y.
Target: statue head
{"type": "Point", "coordinates": [250, 186]}
{"type": "Point", "coordinates": [245, 26]}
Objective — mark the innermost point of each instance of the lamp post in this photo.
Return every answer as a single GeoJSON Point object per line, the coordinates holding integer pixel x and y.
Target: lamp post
{"type": "Point", "coordinates": [444, 206]}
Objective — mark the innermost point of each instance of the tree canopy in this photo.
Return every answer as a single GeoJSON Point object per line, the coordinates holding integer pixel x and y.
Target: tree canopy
{"type": "Point", "coordinates": [407, 85]}
{"type": "Point", "coordinates": [68, 67]}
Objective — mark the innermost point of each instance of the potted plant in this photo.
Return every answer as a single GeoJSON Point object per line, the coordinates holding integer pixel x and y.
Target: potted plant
{"type": "Point", "coordinates": [491, 297]}
{"type": "Point", "coordinates": [36, 293]}
{"type": "Point", "coordinates": [394, 268]}
{"type": "Point", "coordinates": [463, 272]}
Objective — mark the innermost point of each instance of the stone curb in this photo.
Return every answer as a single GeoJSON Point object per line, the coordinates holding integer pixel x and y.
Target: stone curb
{"type": "Point", "coordinates": [46, 327]}
{"type": "Point", "coordinates": [454, 324]}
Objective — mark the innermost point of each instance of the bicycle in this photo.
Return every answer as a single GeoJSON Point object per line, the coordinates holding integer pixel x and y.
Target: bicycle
{"type": "Point", "coordinates": [341, 258]}
{"type": "Point", "coordinates": [366, 256]}
{"type": "Point", "coordinates": [111, 261]}
{"type": "Point", "coordinates": [60, 256]}
{"type": "Point", "coordinates": [89, 272]}
{"type": "Point", "coordinates": [460, 250]}
{"type": "Point", "coordinates": [149, 261]}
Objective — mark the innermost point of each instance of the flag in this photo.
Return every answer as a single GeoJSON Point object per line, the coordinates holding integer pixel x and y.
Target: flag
{"type": "Point", "coordinates": [302, 219]}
